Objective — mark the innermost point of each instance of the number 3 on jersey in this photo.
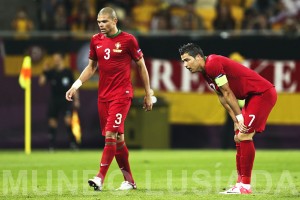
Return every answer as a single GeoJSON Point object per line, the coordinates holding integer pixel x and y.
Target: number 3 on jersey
{"type": "Point", "coordinates": [119, 118]}
{"type": "Point", "coordinates": [107, 53]}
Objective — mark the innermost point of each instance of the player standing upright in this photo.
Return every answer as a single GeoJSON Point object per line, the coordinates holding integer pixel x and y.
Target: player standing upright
{"type": "Point", "coordinates": [232, 81]}
{"type": "Point", "coordinates": [113, 49]}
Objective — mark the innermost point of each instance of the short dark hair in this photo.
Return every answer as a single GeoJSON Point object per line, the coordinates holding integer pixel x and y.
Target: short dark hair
{"type": "Point", "coordinates": [191, 49]}
{"type": "Point", "coordinates": [108, 11]}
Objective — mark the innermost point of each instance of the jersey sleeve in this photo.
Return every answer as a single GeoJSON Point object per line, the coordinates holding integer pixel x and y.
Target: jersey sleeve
{"type": "Point", "coordinates": [134, 49]}
{"type": "Point", "coordinates": [92, 52]}
{"type": "Point", "coordinates": [214, 68]}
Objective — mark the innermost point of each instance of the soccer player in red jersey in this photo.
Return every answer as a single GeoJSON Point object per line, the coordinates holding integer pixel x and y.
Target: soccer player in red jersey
{"type": "Point", "coordinates": [113, 50]}
{"type": "Point", "coordinates": [231, 81]}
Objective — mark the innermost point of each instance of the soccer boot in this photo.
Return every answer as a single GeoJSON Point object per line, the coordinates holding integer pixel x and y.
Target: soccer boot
{"type": "Point", "coordinates": [245, 191]}
{"type": "Point", "coordinates": [125, 185]}
{"type": "Point", "coordinates": [234, 190]}
{"type": "Point", "coordinates": [95, 183]}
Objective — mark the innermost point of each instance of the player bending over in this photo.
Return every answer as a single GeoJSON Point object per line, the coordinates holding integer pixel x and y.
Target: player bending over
{"type": "Point", "coordinates": [231, 81]}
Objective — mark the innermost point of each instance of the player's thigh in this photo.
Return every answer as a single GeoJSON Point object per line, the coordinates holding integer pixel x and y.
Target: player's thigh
{"type": "Point", "coordinates": [257, 110]}
{"type": "Point", "coordinates": [118, 110]}
{"type": "Point", "coordinates": [103, 114]}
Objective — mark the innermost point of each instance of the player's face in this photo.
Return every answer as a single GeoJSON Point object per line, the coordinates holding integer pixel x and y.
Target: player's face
{"type": "Point", "coordinates": [191, 63]}
{"type": "Point", "coordinates": [106, 24]}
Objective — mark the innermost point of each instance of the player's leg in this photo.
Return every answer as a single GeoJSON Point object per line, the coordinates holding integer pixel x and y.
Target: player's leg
{"type": "Point", "coordinates": [122, 156]}
{"type": "Point", "coordinates": [238, 158]}
{"type": "Point", "coordinates": [97, 182]}
{"type": "Point", "coordinates": [108, 155]}
{"type": "Point", "coordinates": [245, 153]}
{"type": "Point", "coordinates": [255, 112]}
{"type": "Point", "coordinates": [121, 108]}
{"type": "Point", "coordinates": [236, 188]}
{"type": "Point", "coordinates": [112, 116]}
{"type": "Point", "coordinates": [246, 160]}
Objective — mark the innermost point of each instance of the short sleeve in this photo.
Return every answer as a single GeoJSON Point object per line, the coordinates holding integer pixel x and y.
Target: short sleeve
{"type": "Point", "coordinates": [214, 67]}
{"type": "Point", "coordinates": [92, 52]}
{"type": "Point", "coordinates": [135, 51]}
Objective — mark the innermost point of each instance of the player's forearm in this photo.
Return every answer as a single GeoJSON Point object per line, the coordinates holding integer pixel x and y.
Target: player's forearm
{"type": "Point", "coordinates": [144, 76]}
{"type": "Point", "coordinates": [228, 108]}
{"type": "Point", "coordinates": [86, 74]}
{"type": "Point", "coordinates": [231, 100]}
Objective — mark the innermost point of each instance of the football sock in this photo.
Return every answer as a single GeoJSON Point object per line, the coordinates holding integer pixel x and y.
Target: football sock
{"type": "Point", "coordinates": [123, 162]}
{"type": "Point", "coordinates": [247, 160]}
{"type": "Point", "coordinates": [238, 162]}
{"type": "Point", "coordinates": [52, 136]}
{"type": "Point", "coordinates": [108, 155]}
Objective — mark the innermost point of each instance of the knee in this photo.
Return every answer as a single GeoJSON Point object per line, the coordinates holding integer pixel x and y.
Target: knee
{"type": "Point", "coordinates": [110, 135]}
{"type": "Point", "coordinates": [244, 136]}
{"type": "Point", "coordinates": [236, 139]}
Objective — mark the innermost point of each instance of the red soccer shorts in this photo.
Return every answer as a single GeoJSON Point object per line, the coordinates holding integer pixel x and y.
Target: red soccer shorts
{"type": "Point", "coordinates": [257, 109]}
{"type": "Point", "coordinates": [112, 115]}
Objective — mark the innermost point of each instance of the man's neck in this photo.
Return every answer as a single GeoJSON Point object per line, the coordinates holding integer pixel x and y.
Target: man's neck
{"type": "Point", "coordinates": [114, 34]}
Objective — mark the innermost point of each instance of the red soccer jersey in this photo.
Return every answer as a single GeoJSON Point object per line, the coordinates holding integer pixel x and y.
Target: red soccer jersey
{"type": "Point", "coordinates": [242, 81]}
{"type": "Point", "coordinates": [114, 56]}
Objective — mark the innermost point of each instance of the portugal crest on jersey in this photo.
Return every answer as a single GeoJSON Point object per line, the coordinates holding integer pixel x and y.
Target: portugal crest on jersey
{"type": "Point", "coordinates": [117, 49]}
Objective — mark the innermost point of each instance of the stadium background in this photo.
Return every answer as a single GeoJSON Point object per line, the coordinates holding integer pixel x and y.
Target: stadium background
{"type": "Point", "coordinates": [188, 109]}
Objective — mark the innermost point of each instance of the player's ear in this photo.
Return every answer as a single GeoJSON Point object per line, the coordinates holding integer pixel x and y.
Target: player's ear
{"type": "Point", "coordinates": [115, 20]}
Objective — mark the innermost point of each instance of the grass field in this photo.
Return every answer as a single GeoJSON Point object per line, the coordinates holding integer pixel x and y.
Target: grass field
{"type": "Point", "coordinates": [171, 174]}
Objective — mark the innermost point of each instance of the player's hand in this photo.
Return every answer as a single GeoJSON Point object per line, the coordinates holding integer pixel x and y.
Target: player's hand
{"type": "Point", "coordinates": [70, 93]}
{"type": "Point", "coordinates": [147, 103]}
{"type": "Point", "coordinates": [242, 127]}
{"type": "Point", "coordinates": [235, 126]}
{"type": "Point", "coordinates": [147, 106]}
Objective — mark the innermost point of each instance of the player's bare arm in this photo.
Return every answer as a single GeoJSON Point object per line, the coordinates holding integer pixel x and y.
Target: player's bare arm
{"type": "Point", "coordinates": [229, 110]}
{"type": "Point", "coordinates": [85, 75]}
{"type": "Point", "coordinates": [227, 107]}
{"type": "Point", "coordinates": [145, 78]}
{"type": "Point", "coordinates": [231, 100]}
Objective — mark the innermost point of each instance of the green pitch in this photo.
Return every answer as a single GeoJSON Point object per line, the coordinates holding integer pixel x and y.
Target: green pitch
{"type": "Point", "coordinates": [172, 174]}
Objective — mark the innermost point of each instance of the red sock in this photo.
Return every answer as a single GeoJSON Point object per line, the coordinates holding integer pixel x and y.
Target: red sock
{"type": "Point", "coordinates": [122, 160]}
{"type": "Point", "coordinates": [108, 154]}
{"type": "Point", "coordinates": [247, 160]}
{"type": "Point", "coordinates": [238, 161]}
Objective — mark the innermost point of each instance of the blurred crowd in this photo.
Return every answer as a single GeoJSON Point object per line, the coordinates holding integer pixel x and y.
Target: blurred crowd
{"type": "Point", "coordinates": [165, 15]}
